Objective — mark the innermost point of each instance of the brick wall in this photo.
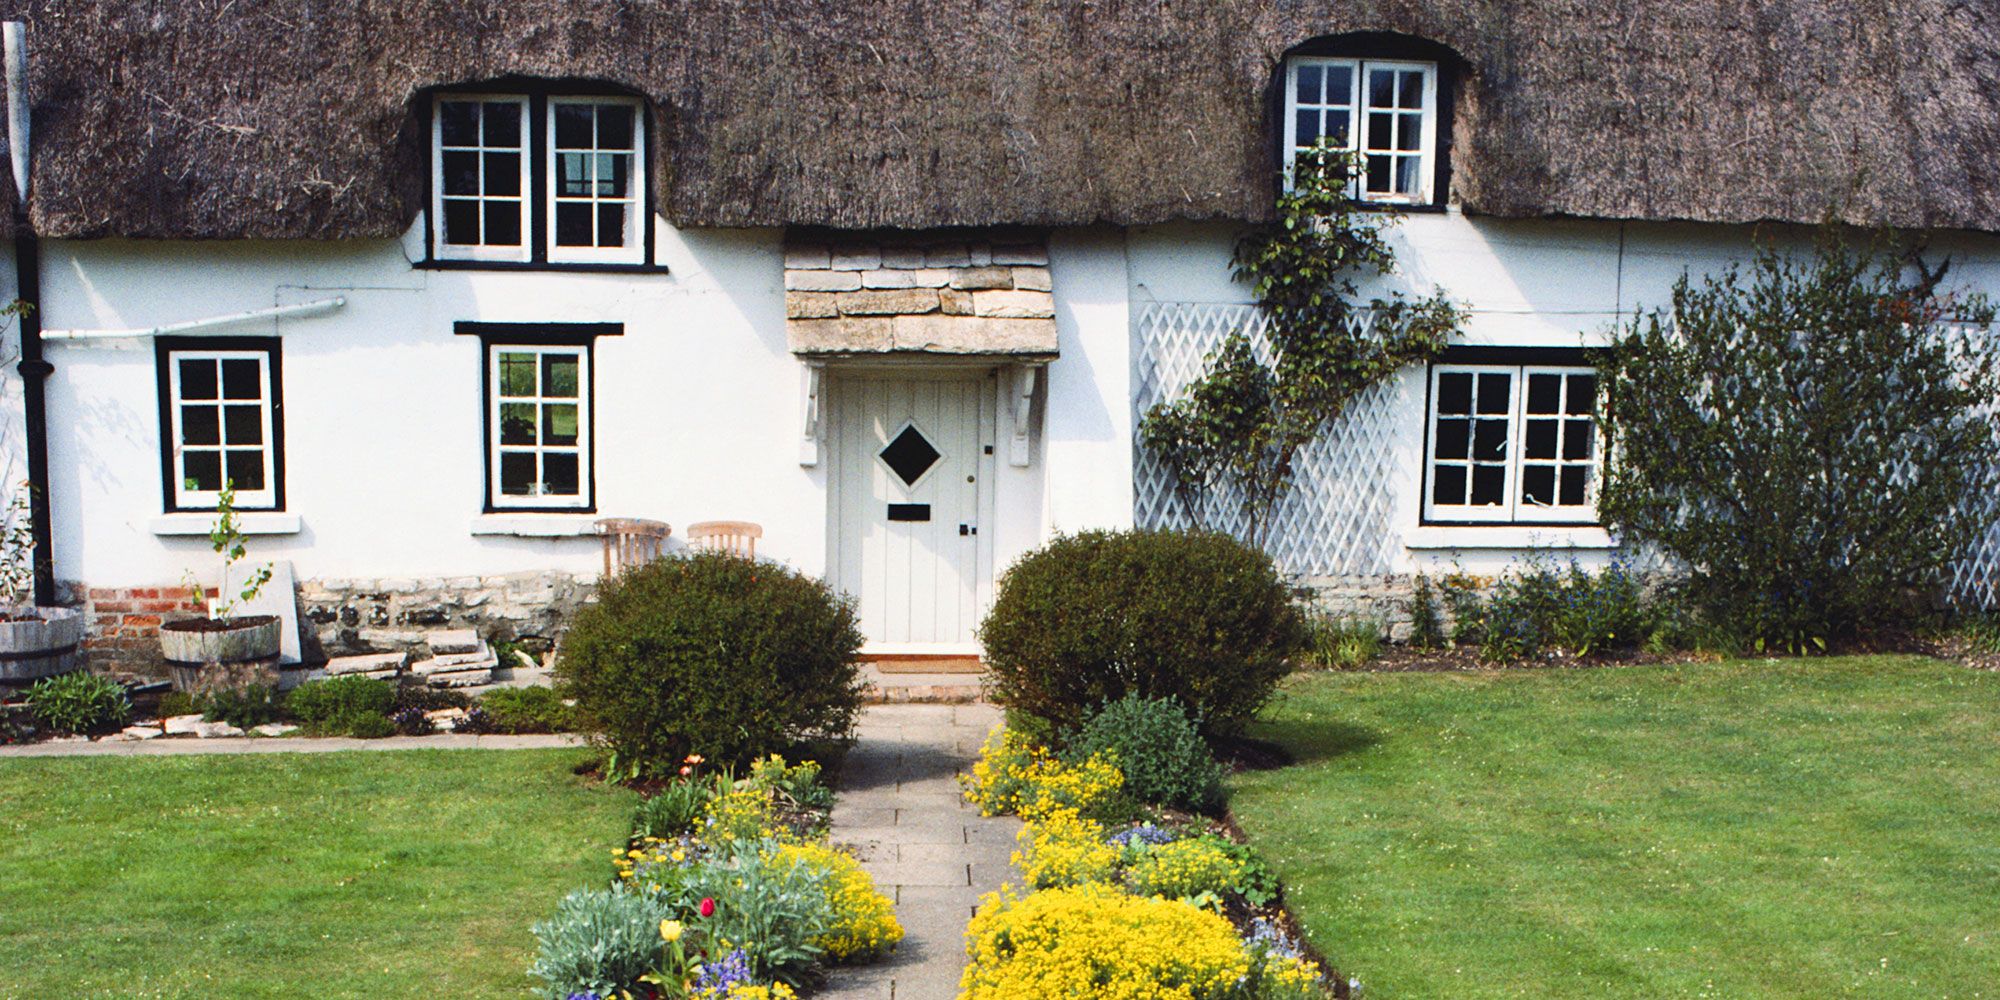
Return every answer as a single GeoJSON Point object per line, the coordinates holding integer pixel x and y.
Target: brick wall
{"type": "Point", "coordinates": [124, 625]}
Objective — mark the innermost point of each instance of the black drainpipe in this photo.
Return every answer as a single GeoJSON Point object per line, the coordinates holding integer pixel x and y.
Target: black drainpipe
{"type": "Point", "coordinates": [34, 400]}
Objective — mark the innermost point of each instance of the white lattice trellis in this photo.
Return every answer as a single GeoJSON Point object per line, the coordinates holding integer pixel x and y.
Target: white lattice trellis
{"type": "Point", "coordinates": [1338, 520]}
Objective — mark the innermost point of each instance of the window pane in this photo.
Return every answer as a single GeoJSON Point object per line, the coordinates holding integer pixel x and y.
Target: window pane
{"type": "Point", "coordinates": [245, 424]}
{"type": "Point", "coordinates": [572, 175]}
{"type": "Point", "coordinates": [1575, 480]}
{"type": "Point", "coordinates": [573, 126]}
{"type": "Point", "coordinates": [198, 379]}
{"type": "Point", "coordinates": [1582, 394]}
{"type": "Point", "coordinates": [201, 470]}
{"type": "Point", "coordinates": [1336, 129]}
{"type": "Point", "coordinates": [1493, 394]}
{"type": "Point", "coordinates": [517, 423]}
{"type": "Point", "coordinates": [200, 425]}
{"type": "Point", "coordinates": [1454, 439]}
{"type": "Point", "coordinates": [461, 173]}
{"type": "Point", "coordinates": [1380, 127]}
{"type": "Point", "coordinates": [1576, 439]}
{"type": "Point", "coordinates": [503, 223]}
{"type": "Point", "coordinates": [614, 126]}
{"type": "Point", "coordinates": [1489, 485]}
{"type": "Point", "coordinates": [1411, 93]}
{"type": "Point", "coordinates": [1407, 181]}
{"type": "Point", "coordinates": [1448, 485]}
{"type": "Point", "coordinates": [240, 379]}
{"type": "Point", "coordinates": [517, 374]}
{"type": "Point", "coordinates": [611, 225]}
{"type": "Point", "coordinates": [1378, 174]}
{"type": "Point", "coordinates": [559, 473]}
{"type": "Point", "coordinates": [573, 224]}
{"type": "Point", "coordinates": [246, 470]}
{"type": "Point", "coordinates": [1540, 440]}
{"type": "Point", "coordinates": [1409, 132]}
{"type": "Point", "coordinates": [517, 473]}
{"type": "Point", "coordinates": [559, 423]}
{"type": "Point", "coordinates": [559, 375]}
{"type": "Point", "coordinates": [461, 222]}
{"type": "Point", "coordinates": [1340, 85]}
{"type": "Point", "coordinates": [1454, 392]}
{"type": "Point", "coordinates": [1489, 440]}
{"type": "Point", "coordinates": [1538, 484]}
{"type": "Point", "coordinates": [611, 175]}
{"type": "Point", "coordinates": [1544, 393]}
{"type": "Point", "coordinates": [1307, 127]}
{"type": "Point", "coordinates": [1381, 88]}
{"type": "Point", "coordinates": [503, 124]}
{"type": "Point", "coordinates": [1310, 81]}
{"type": "Point", "coordinates": [503, 174]}
{"type": "Point", "coordinates": [458, 123]}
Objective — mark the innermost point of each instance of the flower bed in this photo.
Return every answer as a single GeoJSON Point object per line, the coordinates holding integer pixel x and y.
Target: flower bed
{"type": "Point", "coordinates": [1123, 900]}
{"type": "Point", "coordinates": [727, 889]}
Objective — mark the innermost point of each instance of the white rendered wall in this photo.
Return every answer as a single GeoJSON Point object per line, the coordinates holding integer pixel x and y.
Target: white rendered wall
{"type": "Point", "coordinates": [1527, 283]}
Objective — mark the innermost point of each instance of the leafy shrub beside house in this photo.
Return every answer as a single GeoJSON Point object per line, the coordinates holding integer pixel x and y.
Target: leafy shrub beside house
{"type": "Point", "coordinates": [1090, 618]}
{"type": "Point", "coordinates": [1811, 439]}
{"type": "Point", "coordinates": [712, 655]}
{"type": "Point", "coordinates": [79, 703]}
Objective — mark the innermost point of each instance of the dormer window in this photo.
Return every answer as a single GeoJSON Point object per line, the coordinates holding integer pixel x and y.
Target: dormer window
{"type": "Point", "coordinates": [1385, 109]}
{"type": "Point", "coordinates": [538, 179]}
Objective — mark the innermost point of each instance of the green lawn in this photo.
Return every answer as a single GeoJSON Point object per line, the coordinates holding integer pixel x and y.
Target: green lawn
{"type": "Point", "coordinates": [372, 874]}
{"type": "Point", "coordinates": [1739, 830]}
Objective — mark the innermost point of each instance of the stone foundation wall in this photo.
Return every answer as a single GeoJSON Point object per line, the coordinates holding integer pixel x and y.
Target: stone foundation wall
{"type": "Point", "coordinates": [1384, 599]}
{"type": "Point", "coordinates": [344, 617]}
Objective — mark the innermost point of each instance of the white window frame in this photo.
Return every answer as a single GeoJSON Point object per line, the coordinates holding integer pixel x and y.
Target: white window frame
{"type": "Point", "coordinates": [192, 499]}
{"type": "Point", "coordinates": [441, 250]}
{"type": "Point", "coordinates": [1512, 509]}
{"type": "Point", "coordinates": [634, 250]}
{"type": "Point", "coordinates": [585, 446]}
{"type": "Point", "coordinates": [1357, 116]}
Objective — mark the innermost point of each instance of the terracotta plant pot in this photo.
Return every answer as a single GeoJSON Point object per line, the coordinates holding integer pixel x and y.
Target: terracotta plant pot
{"type": "Point", "coordinates": [208, 653]}
{"type": "Point", "coordinates": [39, 642]}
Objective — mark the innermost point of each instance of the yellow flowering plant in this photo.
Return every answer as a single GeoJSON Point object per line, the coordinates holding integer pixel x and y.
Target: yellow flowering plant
{"type": "Point", "coordinates": [864, 920]}
{"type": "Point", "coordinates": [1184, 869]}
{"type": "Point", "coordinates": [1063, 848]}
{"type": "Point", "coordinates": [1095, 941]}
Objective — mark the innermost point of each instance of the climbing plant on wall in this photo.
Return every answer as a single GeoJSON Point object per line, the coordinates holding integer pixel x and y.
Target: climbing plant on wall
{"type": "Point", "coordinates": [1241, 426]}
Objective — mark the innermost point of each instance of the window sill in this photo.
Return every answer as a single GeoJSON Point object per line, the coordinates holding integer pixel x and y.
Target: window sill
{"type": "Point", "coordinates": [535, 525]}
{"type": "Point", "coordinates": [250, 522]}
{"type": "Point", "coordinates": [448, 264]}
{"type": "Point", "coordinates": [1508, 536]}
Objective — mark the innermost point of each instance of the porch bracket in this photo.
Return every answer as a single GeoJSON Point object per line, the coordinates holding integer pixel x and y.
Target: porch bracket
{"type": "Point", "coordinates": [1022, 398]}
{"type": "Point", "coordinates": [811, 409]}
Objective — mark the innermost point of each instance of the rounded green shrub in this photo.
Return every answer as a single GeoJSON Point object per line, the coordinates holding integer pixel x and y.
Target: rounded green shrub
{"type": "Point", "coordinates": [1089, 618]}
{"type": "Point", "coordinates": [1163, 758]}
{"type": "Point", "coordinates": [716, 655]}
{"type": "Point", "coordinates": [79, 702]}
{"type": "Point", "coordinates": [526, 710]}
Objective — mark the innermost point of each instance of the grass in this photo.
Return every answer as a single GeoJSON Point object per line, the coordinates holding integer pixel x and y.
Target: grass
{"type": "Point", "coordinates": [1751, 829]}
{"type": "Point", "coordinates": [367, 874]}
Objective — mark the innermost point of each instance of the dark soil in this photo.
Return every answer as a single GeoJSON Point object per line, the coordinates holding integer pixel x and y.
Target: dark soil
{"type": "Point", "coordinates": [217, 624]}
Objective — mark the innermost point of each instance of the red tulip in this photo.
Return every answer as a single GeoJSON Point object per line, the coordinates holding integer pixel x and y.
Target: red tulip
{"type": "Point", "coordinates": [707, 906]}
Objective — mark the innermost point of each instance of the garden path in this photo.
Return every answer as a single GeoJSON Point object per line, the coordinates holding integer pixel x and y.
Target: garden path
{"type": "Point", "coordinates": [900, 810]}
{"type": "Point", "coordinates": [286, 744]}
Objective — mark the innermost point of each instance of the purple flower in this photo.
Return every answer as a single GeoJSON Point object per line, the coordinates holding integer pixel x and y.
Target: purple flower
{"type": "Point", "coordinates": [1144, 833]}
{"type": "Point", "coordinates": [717, 978]}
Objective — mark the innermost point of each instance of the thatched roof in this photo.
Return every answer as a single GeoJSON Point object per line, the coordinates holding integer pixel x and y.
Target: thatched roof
{"type": "Point", "coordinates": [292, 118]}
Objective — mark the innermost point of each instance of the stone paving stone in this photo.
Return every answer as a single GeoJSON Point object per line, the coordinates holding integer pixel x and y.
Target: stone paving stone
{"type": "Point", "coordinates": [900, 805]}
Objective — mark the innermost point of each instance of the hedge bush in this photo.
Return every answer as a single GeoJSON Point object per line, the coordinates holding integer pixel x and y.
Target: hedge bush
{"type": "Point", "coordinates": [716, 655]}
{"type": "Point", "coordinates": [1089, 618]}
{"type": "Point", "coordinates": [345, 706]}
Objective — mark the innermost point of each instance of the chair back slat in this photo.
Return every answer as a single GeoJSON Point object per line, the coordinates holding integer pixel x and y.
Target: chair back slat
{"type": "Point", "coordinates": [737, 538]}
{"type": "Point", "coordinates": [630, 542]}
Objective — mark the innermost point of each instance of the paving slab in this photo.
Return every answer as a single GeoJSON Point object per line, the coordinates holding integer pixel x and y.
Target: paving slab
{"type": "Point", "coordinates": [934, 855]}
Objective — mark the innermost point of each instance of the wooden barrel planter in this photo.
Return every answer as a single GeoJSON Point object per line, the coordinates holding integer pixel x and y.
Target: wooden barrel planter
{"type": "Point", "coordinates": [39, 642]}
{"type": "Point", "coordinates": [204, 654]}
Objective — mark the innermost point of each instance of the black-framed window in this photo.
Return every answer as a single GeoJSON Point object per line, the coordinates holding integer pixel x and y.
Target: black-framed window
{"type": "Point", "coordinates": [539, 179]}
{"type": "Point", "coordinates": [538, 414]}
{"type": "Point", "coordinates": [222, 421]}
{"type": "Point", "coordinates": [1511, 437]}
{"type": "Point", "coordinates": [1387, 97]}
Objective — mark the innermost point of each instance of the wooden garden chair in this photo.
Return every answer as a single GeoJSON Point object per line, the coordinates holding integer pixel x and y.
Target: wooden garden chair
{"type": "Point", "coordinates": [737, 538]}
{"type": "Point", "coordinates": [630, 542]}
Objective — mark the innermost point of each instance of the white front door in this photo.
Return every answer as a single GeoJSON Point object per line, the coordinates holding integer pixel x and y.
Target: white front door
{"type": "Point", "coordinates": [910, 464]}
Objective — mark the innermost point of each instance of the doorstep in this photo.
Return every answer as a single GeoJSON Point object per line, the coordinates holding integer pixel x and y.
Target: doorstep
{"type": "Point", "coordinates": [882, 687]}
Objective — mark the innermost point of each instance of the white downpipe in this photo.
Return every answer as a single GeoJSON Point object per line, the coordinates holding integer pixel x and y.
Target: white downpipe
{"type": "Point", "coordinates": [314, 308]}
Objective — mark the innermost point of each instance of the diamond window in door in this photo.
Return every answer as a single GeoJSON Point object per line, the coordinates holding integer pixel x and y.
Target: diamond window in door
{"type": "Point", "coordinates": [909, 455]}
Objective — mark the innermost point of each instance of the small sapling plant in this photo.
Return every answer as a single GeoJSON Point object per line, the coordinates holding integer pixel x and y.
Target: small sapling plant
{"type": "Point", "coordinates": [228, 541]}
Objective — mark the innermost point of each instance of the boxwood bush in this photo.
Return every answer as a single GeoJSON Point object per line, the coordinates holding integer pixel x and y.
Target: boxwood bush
{"type": "Point", "coordinates": [1089, 618]}
{"type": "Point", "coordinates": [1155, 744]}
{"type": "Point", "coordinates": [716, 655]}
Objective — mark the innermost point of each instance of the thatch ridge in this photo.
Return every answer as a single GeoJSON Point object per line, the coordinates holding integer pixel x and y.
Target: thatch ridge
{"type": "Point", "coordinates": [291, 118]}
